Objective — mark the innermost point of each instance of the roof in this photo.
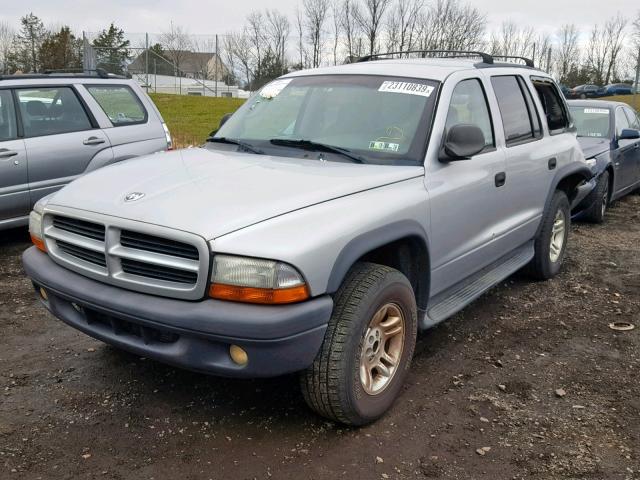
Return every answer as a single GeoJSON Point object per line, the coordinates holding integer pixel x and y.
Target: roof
{"type": "Point", "coordinates": [429, 68]}
{"type": "Point", "coordinates": [596, 103]}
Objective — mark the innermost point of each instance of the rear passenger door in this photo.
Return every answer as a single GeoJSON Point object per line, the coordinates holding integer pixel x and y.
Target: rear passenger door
{"type": "Point", "coordinates": [634, 123]}
{"type": "Point", "coordinates": [61, 137]}
{"type": "Point", "coordinates": [530, 160]}
{"type": "Point", "coordinates": [14, 186]}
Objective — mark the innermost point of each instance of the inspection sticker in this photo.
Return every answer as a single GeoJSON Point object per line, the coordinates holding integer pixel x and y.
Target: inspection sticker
{"type": "Point", "coordinates": [602, 111]}
{"type": "Point", "coordinates": [392, 147]}
{"type": "Point", "coordinates": [274, 88]}
{"type": "Point", "coordinates": [407, 88]}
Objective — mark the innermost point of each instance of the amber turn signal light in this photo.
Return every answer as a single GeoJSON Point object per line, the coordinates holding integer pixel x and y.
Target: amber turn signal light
{"type": "Point", "coordinates": [39, 243]}
{"type": "Point", "coordinates": [258, 295]}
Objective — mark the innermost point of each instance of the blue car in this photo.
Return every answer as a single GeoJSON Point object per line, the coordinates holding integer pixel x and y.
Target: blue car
{"type": "Point", "coordinates": [609, 134]}
{"type": "Point", "coordinates": [618, 89]}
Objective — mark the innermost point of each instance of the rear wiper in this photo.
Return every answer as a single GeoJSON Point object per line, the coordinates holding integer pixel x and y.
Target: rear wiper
{"type": "Point", "coordinates": [321, 147]}
{"type": "Point", "coordinates": [233, 141]}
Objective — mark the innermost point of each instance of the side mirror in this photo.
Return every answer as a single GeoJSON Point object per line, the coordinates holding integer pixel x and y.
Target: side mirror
{"type": "Point", "coordinates": [462, 142]}
{"type": "Point", "coordinates": [629, 134]}
{"type": "Point", "coordinates": [223, 120]}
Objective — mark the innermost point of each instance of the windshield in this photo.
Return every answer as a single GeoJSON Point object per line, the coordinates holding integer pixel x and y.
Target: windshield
{"type": "Point", "coordinates": [380, 119]}
{"type": "Point", "coordinates": [591, 122]}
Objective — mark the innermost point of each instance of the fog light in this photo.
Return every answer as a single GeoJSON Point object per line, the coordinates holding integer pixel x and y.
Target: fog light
{"type": "Point", "coordinates": [43, 294]}
{"type": "Point", "coordinates": [238, 355]}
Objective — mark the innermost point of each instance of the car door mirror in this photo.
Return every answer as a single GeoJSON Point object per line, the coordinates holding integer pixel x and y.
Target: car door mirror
{"type": "Point", "coordinates": [462, 142]}
{"type": "Point", "coordinates": [223, 120]}
{"type": "Point", "coordinates": [629, 134]}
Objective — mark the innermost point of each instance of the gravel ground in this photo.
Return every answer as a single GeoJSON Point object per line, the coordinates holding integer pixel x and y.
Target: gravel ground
{"type": "Point", "coordinates": [528, 382]}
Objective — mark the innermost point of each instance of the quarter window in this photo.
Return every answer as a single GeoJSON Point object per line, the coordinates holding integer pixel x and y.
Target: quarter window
{"type": "Point", "coordinates": [634, 120]}
{"type": "Point", "coordinates": [469, 105]}
{"type": "Point", "coordinates": [50, 111]}
{"type": "Point", "coordinates": [513, 109]}
{"type": "Point", "coordinates": [119, 103]}
{"type": "Point", "coordinates": [8, 130]}
{"type": "Point", "coordinates": [552, 104]}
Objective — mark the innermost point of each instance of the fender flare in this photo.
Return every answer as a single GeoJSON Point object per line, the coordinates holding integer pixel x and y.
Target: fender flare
{"type": "Point", "coordinates": [368, 241]}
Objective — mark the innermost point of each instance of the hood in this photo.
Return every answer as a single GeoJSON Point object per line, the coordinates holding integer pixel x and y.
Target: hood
{"type": "Point", "coordinates": [212, 193]}
{"type": "Point", "coordinates": [592, 146]}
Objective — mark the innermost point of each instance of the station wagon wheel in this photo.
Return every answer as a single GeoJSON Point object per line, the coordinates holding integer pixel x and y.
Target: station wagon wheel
{"type": "Point", "coordinates": [605, 199]}
{"type": "Point", "coordinates": [598, 200]}
{"type": "Point", "coordinates": [550, 243]}
{"type": "Point", "coordinates": [367, 348]}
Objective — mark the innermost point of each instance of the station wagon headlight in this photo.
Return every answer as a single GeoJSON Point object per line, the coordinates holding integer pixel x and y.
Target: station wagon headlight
{"type": "Point", "coordinates": [254, 280]}
{"type": "Point", "coordinates": [35, 230]}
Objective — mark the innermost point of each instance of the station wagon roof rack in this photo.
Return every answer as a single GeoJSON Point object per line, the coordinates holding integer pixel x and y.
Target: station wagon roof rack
{"type": "Point", "coordinates": [66, 73]}
{"type": "Point", "coordinates": [487, 59]}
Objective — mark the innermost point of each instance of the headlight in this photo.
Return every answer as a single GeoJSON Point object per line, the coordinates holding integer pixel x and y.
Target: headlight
{"type": "Point", "coordinates": [591, 162]}
{"type": "Point", "coordinates": [254, 280]}
{"type": "Point", "coordinates": [35, 230]}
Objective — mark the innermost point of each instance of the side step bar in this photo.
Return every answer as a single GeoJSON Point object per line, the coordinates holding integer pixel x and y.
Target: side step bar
{"type": "Point", "coordinates": [458, 296]}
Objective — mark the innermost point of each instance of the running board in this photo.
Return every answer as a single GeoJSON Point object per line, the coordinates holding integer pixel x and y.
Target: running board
{"type": "Point", "coordinates": [458, 296]}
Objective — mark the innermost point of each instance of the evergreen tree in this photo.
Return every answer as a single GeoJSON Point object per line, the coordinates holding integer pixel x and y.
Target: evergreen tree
{"type": "Point", "coordinates": [61, 51]}
{"type": "Point", "coordinates": [112, 50]}
{"type": "Point", "coordinates": [26, 49]}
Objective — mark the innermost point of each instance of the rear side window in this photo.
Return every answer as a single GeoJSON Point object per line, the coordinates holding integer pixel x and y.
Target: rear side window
{"type": "Point", "coordinates": [533, 111]}
{"type": "Point", "coordinates": [552, 104]}
{"type": "Point", "coordinates": [119, 103]}
{"type": "Point", "coordinates": [51, 111]}
{"type": "Point", "coordinates": [8, 130]}
{"type": "Point", "coordinates": [513, 109]}
{"type": "Point", "coordinates": [469, 105]}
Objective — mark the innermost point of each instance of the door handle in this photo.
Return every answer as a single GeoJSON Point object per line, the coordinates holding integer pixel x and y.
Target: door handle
{"type": "Point", "coordinates": [5, 153]}
{"type": "Point", "coordinates": [93, 141]}
{"type": "Point", "coordinates": [553, 162]}
{"type": "Point", "coordinates": [501, 179]}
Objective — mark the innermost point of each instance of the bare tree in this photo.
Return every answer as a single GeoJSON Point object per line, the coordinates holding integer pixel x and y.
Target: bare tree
{"type": "Point", "coordinates": [255, 33]}
{"type": "Point", "coordinates": [604, 47]}
{"type": "Point", "coordinates": [176, 44]}
{"type": "Point", "coordinates": [450, 25]}
{"type": "Point", "coordinates": [350, 28]}
{"type": "Point", "coordinates": [205, 48]}
{"type": "Point", "coordinates": [336, 24]}
{"type": "Point", "coordinates": [276, 34]}
{"type": "Point", "coordinates": [401, 24]}
{"type": "Point", "coordinates": [513, 40]}
{"type": "Point", "coordinates": [300, 26]}
{"type": "Point", "coordinates": [567, 51]}
{"type": "Point", "coordinates": [315, 16]}
{"type": "Point", "coordinates": [7, 35]}
{"type": "Point", "coordinates": [238, 46]}
{"type": "Point", "coordinates": [370, 19]}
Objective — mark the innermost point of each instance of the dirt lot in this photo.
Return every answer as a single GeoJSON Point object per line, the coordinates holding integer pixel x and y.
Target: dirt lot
{"type": "Point", "coordinates": [71, 407]}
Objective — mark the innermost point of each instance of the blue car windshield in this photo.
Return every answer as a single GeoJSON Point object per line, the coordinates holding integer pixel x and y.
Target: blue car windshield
{"type": "Point", "coordinates": [381, 119]}
{"type": "Point", "coordinates": [591, 121]}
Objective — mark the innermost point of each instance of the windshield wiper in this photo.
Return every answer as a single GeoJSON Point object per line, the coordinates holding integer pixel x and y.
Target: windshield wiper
{"type": "Point", "coordinates": [235, 141]}
{"type": "Point", "coordinates": [320, 147]}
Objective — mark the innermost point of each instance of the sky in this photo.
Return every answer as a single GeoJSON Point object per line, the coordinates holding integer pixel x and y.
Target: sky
{"type": "Point", "coordinates": [221, 16]}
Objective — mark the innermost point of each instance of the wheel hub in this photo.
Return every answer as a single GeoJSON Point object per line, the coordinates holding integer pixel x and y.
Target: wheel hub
{"type": "Point", "coordinates": [557, 236]}
{"type": "Point", "coordinates": [382, 348]}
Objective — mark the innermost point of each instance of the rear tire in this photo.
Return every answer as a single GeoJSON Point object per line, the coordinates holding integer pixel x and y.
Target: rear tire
{"type": "Point", "coordinates": [352, 381]}
{"type": "Point", "coordinates": [599, 200]}
{"type": "Point", "coordinates": [551, 242]}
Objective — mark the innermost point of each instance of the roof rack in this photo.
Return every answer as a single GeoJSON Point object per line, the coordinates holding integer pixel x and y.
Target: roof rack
{"type": "Point", "coordinates": [63, 73]}
{"type": "Point", "coordinates": [527, 61]}
{"type": "Point", "coordinates": [486, 58]}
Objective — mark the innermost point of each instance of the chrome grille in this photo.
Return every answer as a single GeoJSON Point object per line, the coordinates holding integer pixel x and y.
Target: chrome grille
{"type": "Point", "coordinates": [133, 255]}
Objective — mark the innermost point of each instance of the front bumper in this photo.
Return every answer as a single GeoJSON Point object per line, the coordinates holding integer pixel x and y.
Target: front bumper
{"type": "Point", "coordinates": [583, 192]}
{"type": "Point", "coordinates": [191, 335]}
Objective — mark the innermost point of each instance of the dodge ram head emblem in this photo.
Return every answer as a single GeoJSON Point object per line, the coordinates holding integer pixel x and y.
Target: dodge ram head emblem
{"type": "Point", "coordinates": [133, 196]}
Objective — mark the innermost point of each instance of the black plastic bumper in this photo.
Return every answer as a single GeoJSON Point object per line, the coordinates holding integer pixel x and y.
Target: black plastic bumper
{"type": "Point", "coordinates": [192, 335]}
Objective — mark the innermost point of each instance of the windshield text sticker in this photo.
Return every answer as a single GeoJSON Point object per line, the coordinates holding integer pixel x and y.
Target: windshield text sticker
{"type": "Point", "coordinates": [601, 111]}
{"type": "Point", "coordinates": [384, 146]}
{"type": "Point", "coordinates": [274, 88]}
{"type": "Point", "coordinates": [407, 88]}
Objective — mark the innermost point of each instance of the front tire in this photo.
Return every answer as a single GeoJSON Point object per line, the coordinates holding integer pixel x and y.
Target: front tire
{"type": "Point", "coordinates": [599, 200]}
{"type": "Point", "coordinates": [367, 349]}
{"type": "Point", "coordinates": [551, 242]}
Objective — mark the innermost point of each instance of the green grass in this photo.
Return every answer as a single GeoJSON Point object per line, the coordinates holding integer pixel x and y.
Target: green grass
{"type": "Point", "coordinates": [191, 118]}
{"type": "Point", "coordinates": [628, 99]}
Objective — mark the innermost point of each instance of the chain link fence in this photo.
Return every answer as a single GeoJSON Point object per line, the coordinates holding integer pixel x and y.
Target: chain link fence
{"type": "Point", "coordinates": [173, 63]}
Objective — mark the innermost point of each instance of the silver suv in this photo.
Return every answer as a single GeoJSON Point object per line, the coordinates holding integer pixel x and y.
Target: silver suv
{"type": "Point", "coordinates": [56, 127]}
{"type": "Point", "coordinates": [335, 214]}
